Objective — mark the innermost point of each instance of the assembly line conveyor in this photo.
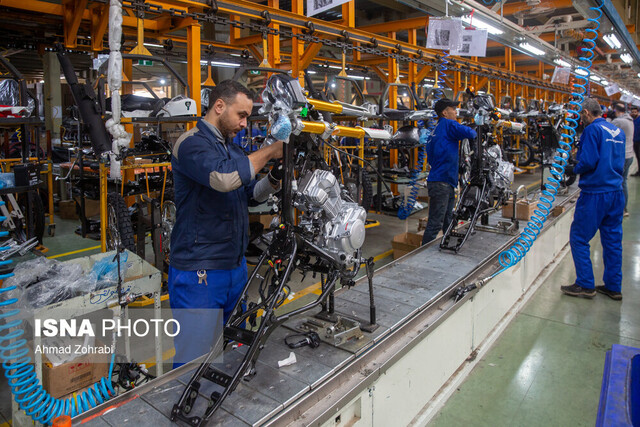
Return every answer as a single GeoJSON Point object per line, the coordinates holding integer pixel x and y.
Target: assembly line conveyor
{"type": "Point", "coordinates": [414, 296]}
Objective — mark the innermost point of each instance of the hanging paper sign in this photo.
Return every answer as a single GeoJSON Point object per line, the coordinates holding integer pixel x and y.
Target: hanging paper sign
{"type": "Point", "coordinates": [472, 43]}
{"type": "Point", "coordinates": [444, 33]}
{"type": "Point", "coordinates": [612, 89]}
{"type": "Point", "coordinates": [316, 6]}
{"type": "Point", "coordinates": [626, 98]}
{"type": "Point", "coordinates": [561, 75]}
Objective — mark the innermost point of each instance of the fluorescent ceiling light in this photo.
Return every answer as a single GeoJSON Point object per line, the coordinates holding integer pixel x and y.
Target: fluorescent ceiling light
{"type": "Point", "coordinates": [221, 64]}
{"type": "Point", "coordinates": [481, 25]}
{"type": "Point", "coordinates": [612, 41]}
{"type": "Point", "coordinates": [153, 45]}
{"type": "Point", "coordinates": [595, 78]}
{"type": "Point", "coordinates": [532, 49]}
{"type": "Point", "coordinates": [312, 72]}
{"type": "Point", "coordinates": [581, 72]}
{"type": "Point", "coordinates": [626, 58]}
{"type": "Point", "coordinates": [561, 62]}
{"type": "Point", "coordinates": [604, 83]}
{"type": "Point", "coordinates": [358, 77]}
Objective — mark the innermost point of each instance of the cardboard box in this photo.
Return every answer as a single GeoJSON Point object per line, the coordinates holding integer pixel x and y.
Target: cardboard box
{"type": "Point", "coordinates": [524, 209]}
{"type": "Point", "coordinates": [404, 243]}
{"type": "Point", "coordinates": [558, 210]}
{"type": "Point", "coordinates": [265, 220]}
{"type": "Point", "coordinates": [67, 209]}
{"type": "Point", "coordinates": [82, 371]}
{"type": "Point", "coordinates": [91, 207]}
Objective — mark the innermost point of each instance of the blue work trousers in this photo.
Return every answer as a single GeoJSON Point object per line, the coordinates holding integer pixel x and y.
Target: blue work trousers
{"type": "Point", "coordinates": [625, 174]}
{"type": "Point", "coordinates": [442, 200]}
{"type": "Point", "coordinates": [202, 308]}
{"type": "Point", "coordinates": [598, 211]}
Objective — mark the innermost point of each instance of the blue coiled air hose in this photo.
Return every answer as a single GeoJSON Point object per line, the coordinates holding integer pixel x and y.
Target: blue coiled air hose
{"type": "Point", "coordinates": [519, 249]}
{"type": "Point", "coordinates": [426, 133]}
{"type": "Point", "coordinates": [20, 372]}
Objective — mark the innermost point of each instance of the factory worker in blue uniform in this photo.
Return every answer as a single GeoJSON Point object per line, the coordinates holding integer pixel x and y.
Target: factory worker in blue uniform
{"type": "Point", "coordinates": [442, 155]}
{"type": "Point", "coordinates": [601, 154]}
{"type": "Point", "coordinates": [214, 183]}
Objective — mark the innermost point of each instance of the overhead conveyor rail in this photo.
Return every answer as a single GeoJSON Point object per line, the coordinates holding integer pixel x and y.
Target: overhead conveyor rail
{"type": "Point", "coordinates": [423, 339]}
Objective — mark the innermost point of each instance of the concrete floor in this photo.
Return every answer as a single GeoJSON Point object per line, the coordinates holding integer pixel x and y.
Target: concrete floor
{"type": "Point", "coordinates": [378, 242]}
{"type": "Point", "coordinates": [546, 368]}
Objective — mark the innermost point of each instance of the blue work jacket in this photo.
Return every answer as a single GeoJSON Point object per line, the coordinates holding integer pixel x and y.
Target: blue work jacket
{"type": "Point", "coordinates": [442, 150]}
{"type": "Point", "coordinates": [213, 185]}
{"type": "Point", "coordinates": [600, 157]}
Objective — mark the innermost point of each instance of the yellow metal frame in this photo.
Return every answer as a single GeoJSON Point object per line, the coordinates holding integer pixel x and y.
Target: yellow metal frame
{"type": "Point", "coordinates": [104, 172]}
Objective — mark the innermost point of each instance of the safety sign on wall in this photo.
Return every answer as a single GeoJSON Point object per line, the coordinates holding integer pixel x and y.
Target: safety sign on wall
{"type": "Point", "coordinates": [316, 6]}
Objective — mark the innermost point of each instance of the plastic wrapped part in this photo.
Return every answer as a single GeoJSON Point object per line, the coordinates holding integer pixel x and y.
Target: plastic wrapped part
{"type": "Point", "coordinates": [7, 180]}
{"type": "Point", "coordinates": [10, 95]}
{"type": "Point", "coordinates": [281, 128]}
{"type": "Point", "coordinates": [40, 282]}
{"type": "Point", "coordinates": [61, 286]}
{"type": "Point", "coordinates": [105, 272]}
{"type": "Point", "coordinates": [30, 272]}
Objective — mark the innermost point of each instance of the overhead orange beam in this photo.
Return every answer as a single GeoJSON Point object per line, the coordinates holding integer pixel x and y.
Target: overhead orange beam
{"type": "Point", "coordinates": [511, 8]}
{"type": "Point", "coordinates": [73, 11]}
{"type": "Point", "coordinates": [309, 54]}
{"type": "Point", "coordinates": [243, 41]}
{"type": "Point", "coordinates": [99, 22]}
{"type": "Point", "coordinates": [57, 9]}
{"type": "Point", "coordinates": [404, 24]}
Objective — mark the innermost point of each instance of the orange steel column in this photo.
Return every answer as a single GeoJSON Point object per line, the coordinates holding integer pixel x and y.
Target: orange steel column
{"type": "Point", "coordinates": [509, 64]}
{"type": "Point", "coordinates": [539, 92]}
{"type": "Point", "coordinates": [474, 78]}
{"type": "Point", "coordinates": [297, 7]}
{"type": "Point", "coordinates": [349, 14]}
{"type": "Point", "coordinates": [274, 40]}
{"type": "Point", "coordinates": [413, 67]}
{"type": "Point", "coordinates": [194, 69]}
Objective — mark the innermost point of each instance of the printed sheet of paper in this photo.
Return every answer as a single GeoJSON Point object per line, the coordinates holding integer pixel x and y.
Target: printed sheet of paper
{"type": "Point", "coordinates": [612, 89]}
{"type": "Point", "coordinates": [444, 33]}
{"type": "Point", "coordinates": [316, 6]}
{"type": "Point", "coordinates": [473, 43]}
{"type": "Point", "coordinates": [561, 75]}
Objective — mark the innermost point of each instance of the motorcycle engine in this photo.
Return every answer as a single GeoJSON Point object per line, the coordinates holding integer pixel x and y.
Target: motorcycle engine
{"type": "Point", "coordinates": [502, 172]}
{"type": "Point", "coordinates": [337, 224]}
